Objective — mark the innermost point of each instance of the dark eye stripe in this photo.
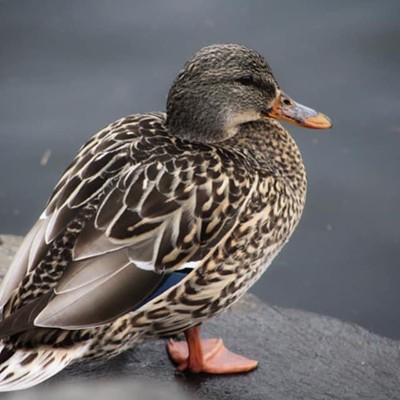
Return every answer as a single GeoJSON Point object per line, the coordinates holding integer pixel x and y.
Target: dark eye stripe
{"type": "Point", "coordinates": [246, 80]}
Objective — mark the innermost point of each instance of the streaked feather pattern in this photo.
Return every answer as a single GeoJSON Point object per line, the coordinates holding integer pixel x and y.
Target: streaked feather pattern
{"type": "Point", "coordinates": [166, 210]}
{"type": "Point", "coordinates": [149, 233]}
{"type": "Point", "coordinates": [134, 196]}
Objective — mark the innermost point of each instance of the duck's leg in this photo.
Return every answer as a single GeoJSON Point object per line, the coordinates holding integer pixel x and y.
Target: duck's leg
{"type": "Point", "coordinates": [206, 355]}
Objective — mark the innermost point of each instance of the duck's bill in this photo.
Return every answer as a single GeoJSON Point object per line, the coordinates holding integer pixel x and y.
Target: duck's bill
{"type": "Point", "coordinates": [288, 110]}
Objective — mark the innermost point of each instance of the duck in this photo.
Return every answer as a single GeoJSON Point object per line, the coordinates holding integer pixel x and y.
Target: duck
{"type": "Point", "coordinates": [161, 222]}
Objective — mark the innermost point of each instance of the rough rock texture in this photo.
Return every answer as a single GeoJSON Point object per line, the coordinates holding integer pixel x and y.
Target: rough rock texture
{"type": "Point", "coordinates": [302, 356]}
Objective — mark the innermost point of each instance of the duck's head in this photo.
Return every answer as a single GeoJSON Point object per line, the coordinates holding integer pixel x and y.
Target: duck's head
{"type": "Point", "coordinates": [224, 86]}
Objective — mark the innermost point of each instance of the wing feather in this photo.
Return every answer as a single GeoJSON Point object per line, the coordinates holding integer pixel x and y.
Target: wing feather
{"type": "Point", "coordinates": [20, 264]}
{"type": "Point", "coordinates": [160, 205]}
{"type": "Point", "coordinates": [99, 298]}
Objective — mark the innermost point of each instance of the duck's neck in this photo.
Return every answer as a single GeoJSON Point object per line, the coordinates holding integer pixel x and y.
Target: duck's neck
{"type": "Point", "coordinates": [275, 151]}
{"type": "Point", "coordinates": [203, 114]}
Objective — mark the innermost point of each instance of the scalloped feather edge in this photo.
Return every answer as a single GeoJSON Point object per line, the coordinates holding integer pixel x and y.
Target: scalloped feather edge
{"type": "Point", "coordinates": [27, 368]}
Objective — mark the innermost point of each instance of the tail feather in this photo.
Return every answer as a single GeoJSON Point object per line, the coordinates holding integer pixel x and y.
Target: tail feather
{"type": "Point", "coordinates": [22, 368]}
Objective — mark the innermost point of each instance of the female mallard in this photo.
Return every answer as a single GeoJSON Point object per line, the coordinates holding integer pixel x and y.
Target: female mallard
{"type": "Point", "coordinates": [160, 222]}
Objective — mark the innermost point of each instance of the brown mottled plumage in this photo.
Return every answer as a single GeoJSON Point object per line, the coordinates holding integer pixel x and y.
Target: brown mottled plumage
{"type": "Point", "coordinates": [161, 221]}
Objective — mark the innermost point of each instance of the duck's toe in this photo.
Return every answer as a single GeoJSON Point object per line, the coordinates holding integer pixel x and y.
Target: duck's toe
{"type": "Point", "coordinates": [214, 358]}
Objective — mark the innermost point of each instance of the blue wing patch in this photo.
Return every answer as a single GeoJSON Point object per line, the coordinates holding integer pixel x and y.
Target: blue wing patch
{"type": "Point", "coordinates": [169, 280]}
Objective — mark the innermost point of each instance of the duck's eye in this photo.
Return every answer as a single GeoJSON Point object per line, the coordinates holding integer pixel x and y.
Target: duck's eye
{"type": "Point", "coordinates": [246, 80]}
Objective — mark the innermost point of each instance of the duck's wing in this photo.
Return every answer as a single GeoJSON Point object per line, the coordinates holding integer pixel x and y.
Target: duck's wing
{"type": "Point", "coordinates": [159, 214]}
{"type": "Point", "coordinates": [98, 161]}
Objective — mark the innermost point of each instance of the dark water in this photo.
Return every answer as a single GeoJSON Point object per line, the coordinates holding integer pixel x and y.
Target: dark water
{"type": "Point", "coordinates": [67, 68]}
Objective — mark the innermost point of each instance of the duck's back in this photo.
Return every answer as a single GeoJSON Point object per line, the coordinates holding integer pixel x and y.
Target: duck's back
{"type": "Point", "coordinates": [135, 204]}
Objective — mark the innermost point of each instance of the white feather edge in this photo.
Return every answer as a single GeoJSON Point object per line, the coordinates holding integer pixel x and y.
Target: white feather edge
{"type": "Point", "coordinates": [149, 266]}
{"type": "Point", "coordinates": [46, 362]}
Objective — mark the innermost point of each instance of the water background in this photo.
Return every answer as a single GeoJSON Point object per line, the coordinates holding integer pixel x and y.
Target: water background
{"type": "Point", "coordinates": [68, 68]}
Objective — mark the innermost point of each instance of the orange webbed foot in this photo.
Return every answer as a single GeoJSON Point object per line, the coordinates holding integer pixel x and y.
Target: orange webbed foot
{"type": "Point", "coordinates": [207, 355]}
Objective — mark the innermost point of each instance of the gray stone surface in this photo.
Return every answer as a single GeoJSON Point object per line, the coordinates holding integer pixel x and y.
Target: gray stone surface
{"type": "Point", "coordinates": [301, 355]}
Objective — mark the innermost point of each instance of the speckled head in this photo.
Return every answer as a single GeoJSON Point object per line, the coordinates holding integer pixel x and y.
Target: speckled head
{"type": "Point", "coordinates": [224, 86]}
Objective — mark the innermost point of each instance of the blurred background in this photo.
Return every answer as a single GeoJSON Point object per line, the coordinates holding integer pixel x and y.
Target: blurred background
{"type": "Point", "coordinates": [68, 68]}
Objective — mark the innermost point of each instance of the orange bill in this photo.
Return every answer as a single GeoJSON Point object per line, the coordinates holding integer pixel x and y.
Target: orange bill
{"type": "Point", "coordinates": [288, 110]}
